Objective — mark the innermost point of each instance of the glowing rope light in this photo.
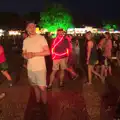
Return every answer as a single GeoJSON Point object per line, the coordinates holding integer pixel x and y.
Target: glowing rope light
{"type": "Point", "coordinates": [54, 54]}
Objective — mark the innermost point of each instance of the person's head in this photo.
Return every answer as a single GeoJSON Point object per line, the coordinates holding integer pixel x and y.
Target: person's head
{"type": "Point", "coordinates": [107, 35]}
{"type": "Point", "coordinates": [31, 28]}
{"type": "Point", "coordinates": [88, 36]}
{"type": "Point", "coordinates": [60, 32]}
{"type": "Point", "coordinates": [115, 36]}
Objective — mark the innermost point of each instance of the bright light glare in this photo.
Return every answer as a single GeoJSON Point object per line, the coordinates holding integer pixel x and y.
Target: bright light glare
{"type": "Point", "coordinates": [14, 33]}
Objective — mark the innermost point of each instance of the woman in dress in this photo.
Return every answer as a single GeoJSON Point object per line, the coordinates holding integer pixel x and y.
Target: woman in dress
{"type": "Point", "coordinates": [91, 57]}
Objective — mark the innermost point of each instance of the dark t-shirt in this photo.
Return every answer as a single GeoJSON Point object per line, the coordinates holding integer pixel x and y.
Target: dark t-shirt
{"type": "Point", "coordinates": [61, 48]}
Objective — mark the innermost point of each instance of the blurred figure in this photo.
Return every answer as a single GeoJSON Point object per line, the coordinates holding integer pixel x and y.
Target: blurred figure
{"type": "Point", "coordinates": [60, 53]}
{"type": "Point", "coordinates": [91, 57]}
{"type": "Point", "coordinates": [106, 47]}
{"type": "Point", "coordinates": [24, 36]}
{"type": "Point", "coordinates": [116, 47]}
{"type": "Point", "coordinates": [4, 66]}
{"type": "Point", "coordinates": [77, 53]}
{"type": "Point", "coordinates": [35, 48]}
{"type": "Point", "coordinates": [72, 59]}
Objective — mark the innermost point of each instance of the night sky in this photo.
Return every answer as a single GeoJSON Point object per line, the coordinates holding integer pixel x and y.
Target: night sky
{"type": "Point", "coordinates": [84, 11]}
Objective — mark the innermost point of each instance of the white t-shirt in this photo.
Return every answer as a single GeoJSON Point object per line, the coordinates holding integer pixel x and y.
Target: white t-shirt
{"type": "Point", "coordinates": [35, 44]}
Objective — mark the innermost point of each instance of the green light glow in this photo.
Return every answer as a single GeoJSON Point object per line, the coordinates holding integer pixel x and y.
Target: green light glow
{"type": "Point", "coordinates": [107, 27]}
{"type": "Point", "coordinates": [110, 26]}
{"type": "Point", "coordinates": [55, 17]}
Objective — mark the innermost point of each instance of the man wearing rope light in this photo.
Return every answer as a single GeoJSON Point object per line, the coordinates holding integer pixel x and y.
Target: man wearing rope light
{"type": "Point", "coordinates": [60, 53]}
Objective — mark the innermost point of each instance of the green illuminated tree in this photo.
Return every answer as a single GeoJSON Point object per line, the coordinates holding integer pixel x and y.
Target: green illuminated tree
{"type": "Point", "coordinates": [110, 26]}
{"type": "Point", "coordinates": [107, 27]}
{"type": "Point", "coordinates": [55, 17]}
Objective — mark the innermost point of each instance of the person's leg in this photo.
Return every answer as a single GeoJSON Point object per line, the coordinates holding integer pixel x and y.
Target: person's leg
{"type": "Point", "coordinates": [41, 83]}
{"type": "Point", "coordinates": [89, 74]}
{"type": "Point", "coordinates": [43, 91]}
{"type": "Point", "coordinates": [96, 73]}
{"type": "Point", "coordinates": [106, 71]}
{"type": "Point", "coordinates": [62, 73]}
{"type": "Point", "coordinates": [44, 106]}
{"type": "Point", "coordinates": [109, 70]}
{"type": "Point", "coordinates": [102, 73]}
{"type": "Point", "coordinates": [73, 73]}
{"type": "Point", "coordinates": [97, 68]}
{"type": "Point", "coordinates": [70, 64]}
{"type": "Point", "coordinates": [7, 75]}
{"type": "Point", "coordinates": [63, 67]}
{"type": "Point", "coordinates": [9, 78]}
{"type": "Point", "coordinates": [52, 77]}
{"type": "Point", "coordinates": [33, 83]}
{"type": "Point", "coordinates": [54, 71]}
{"type": "Point", "coordinates": [37, 93]}
{"type": "Point", "coordinates": [109, 66]}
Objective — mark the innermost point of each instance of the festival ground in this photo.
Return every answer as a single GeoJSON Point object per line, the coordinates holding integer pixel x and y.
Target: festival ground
{"type": "Point", "coordinates": [76, 101]}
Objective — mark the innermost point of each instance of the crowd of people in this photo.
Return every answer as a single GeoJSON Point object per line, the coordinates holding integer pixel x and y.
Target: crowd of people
{"type": "Point", "coordinates": [67, 53]}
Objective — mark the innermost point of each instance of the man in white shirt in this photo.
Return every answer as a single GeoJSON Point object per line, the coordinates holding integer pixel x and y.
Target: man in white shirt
{"type": "Point", "coordinates": [35, 47]}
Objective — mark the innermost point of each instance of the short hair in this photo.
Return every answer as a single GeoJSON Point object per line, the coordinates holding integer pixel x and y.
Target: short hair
{"type": "Point", "coordinates": [107, 33]}
{"type": "Point", "coordinates": [29, 22]}
{"type": "Point", "coordinates": [60, 29]}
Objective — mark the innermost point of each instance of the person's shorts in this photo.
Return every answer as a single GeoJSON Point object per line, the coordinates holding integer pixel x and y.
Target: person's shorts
{"type": "Point", "coordinates": [60, 64]}
{"type": "Point", "coordinates": [105, 61]}
{"type": "Point", "coordinates": [3, 66]}
{"type": "Point", "coordinates": [37, 77]}
{"type": "Point", "coordinates": [101, 60]}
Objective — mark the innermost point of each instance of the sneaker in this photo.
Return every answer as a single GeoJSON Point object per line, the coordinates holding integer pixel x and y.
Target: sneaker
{"type": "Point", "coordinates": [10, 84]}
{"type": "Point", "coordinates": [75, 77]}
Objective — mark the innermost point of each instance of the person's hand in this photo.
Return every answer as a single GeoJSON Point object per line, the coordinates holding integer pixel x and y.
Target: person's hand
{"type": "Point", "coordinates": [30, 55]}
{"type": "Point", "coordinates": [87, 62]}
{"type": "Point", "coordinates": [68, 38]}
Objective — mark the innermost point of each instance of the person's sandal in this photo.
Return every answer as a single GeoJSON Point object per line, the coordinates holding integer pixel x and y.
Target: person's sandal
{"type": "Point", "coordinates": [49, 87]}
{"type": "Point", "coordinates": [2, 95]}
{"type": "Point", "coordinates": [61, 84]}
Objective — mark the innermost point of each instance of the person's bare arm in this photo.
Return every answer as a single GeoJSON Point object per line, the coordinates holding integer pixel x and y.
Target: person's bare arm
{"type": "Point", "coordinates": [45, 51]}
{"type": "Point", "coordinates": [89, 47]}
{"type": "Point", "coordinates": [27, 55]}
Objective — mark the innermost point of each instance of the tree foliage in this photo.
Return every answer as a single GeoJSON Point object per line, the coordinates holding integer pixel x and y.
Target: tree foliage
{"type": "Point", "coordinates": [55, 17]}
{"type": "Point", "coordinates": [110, 26]}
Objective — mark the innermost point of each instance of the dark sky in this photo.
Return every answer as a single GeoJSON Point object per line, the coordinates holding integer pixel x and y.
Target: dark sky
{"type": "Point", "coordinates": [82, 10]}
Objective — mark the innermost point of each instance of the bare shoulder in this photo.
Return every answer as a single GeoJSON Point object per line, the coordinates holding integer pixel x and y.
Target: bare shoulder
{"type": "Point", "coordinates": [90, 42]}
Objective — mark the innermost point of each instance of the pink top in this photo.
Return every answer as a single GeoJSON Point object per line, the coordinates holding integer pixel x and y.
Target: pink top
{"type": "Point", "coordinates": [2, 55]}
{"type": "Point", "coordinates": [108, 48]}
